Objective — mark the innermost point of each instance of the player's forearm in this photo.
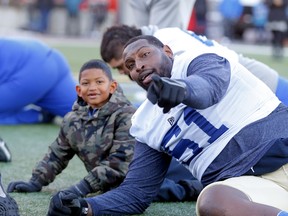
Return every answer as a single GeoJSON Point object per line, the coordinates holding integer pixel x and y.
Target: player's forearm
{"type": "Point", "coordinates": [207, 81]}
{"type": "Point", "coordinates": [141, 185]}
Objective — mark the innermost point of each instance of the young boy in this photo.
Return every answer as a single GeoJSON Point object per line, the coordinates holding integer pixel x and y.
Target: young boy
{"type": "Point", "coordinates": [96, 130]}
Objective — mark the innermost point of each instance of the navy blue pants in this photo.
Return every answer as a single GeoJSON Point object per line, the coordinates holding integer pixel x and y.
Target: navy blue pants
{"type": "Point", "coordinates": [178, 185]}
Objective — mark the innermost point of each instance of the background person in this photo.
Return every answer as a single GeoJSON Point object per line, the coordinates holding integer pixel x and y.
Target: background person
{"type": "Point", "coordinates": [277, 24]}
{"type": "Point", "coordinates": [73, 17]}
{"type": "Point", "coordinates": [98, 10]}
{"type": "Point", "coordinates": [178, 40]}
{"type": "Point", "coordinates": [162, 13]}
{"type": "Point", "coordinates": [45, 8]}
{"type": "Point", "coordinates": [36, 82]}
{"type": "Point", "coordinates": [231, 11]}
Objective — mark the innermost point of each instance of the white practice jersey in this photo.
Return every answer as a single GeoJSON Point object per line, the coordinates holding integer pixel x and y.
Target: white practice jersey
{"type": "Point", "coordinates": [196, 137]}
{"type": "Point", "coordinates": [181, 41]}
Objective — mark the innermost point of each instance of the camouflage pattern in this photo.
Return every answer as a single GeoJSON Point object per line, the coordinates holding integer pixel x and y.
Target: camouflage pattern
{"type": "Point", "coordinates": [102, 142]}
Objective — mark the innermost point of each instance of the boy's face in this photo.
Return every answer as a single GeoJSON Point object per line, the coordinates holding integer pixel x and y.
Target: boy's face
{"type": "Point", "coordinates": [95, 87]}
{"type": "Point", "coordinates": [143, 60]}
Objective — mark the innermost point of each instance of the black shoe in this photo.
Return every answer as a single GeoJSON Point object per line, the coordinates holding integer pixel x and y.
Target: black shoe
{"type": "Point", "coordinates": [5, 154]}
{"type": "Point", "coordinates": [47, 117]}
{"type": "Point", "coordinates": [192, 188]}
{"type": "Point", "coordinates": [8, 206]}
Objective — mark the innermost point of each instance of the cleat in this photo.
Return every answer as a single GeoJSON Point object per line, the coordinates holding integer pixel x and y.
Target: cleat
{"type": "Point", "coordinates": [8, 206]}
{"type": "Point", "coordinates": [5, 154]}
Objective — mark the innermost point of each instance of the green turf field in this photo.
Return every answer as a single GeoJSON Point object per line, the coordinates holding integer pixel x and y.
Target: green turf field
{"type": "Point", "coordinates": [28, 144]}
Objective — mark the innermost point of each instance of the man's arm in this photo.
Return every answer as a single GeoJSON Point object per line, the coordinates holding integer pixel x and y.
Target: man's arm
{"type": "Point", "coordinates": [207, 81]}
{"type": "Point", "coordinates": [146, 173]}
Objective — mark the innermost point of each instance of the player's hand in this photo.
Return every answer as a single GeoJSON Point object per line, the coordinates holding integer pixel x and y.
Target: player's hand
{"type": "Point", "coordinates": [65, 203]}
{"type": "Point", "coordinates": [166, 92]}
{"type": "Point", "coordinates": [21, 186]}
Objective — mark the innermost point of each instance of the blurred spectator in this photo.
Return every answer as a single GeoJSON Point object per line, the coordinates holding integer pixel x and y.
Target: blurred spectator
{"type": "Point", "coordinates": [277, 24]}
{"type": "Point", "coordinates": [5, 2]}
{"type": "Point", "coordinates": [197, 22]}
{"type": "Point", "coordinates": [99, 12]}
{"type": "Point", "coordinates": [45, 7]}
{"type": "Point", "coordinates": [162, 13]}
{"type": "Point", "coordinates": [231, 10]}
{"type": "Point", "coordinates": [73, 22]}
{"type": "Point", "coordinates": [259, 18]}
{"type": "Point", "coordinates": [32, 14]}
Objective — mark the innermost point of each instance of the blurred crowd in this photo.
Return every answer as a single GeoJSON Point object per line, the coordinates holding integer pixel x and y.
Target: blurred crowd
{"type": "Point", "coordinates": [39, 13]}
{"type": "Point", "coordinates": [260, 21]}
{"type": "Point", "coordinates": [257, 21]}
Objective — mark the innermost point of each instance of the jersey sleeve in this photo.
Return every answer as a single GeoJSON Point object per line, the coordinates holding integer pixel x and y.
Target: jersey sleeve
{"type": "Point", "coordinates": [208, 77]}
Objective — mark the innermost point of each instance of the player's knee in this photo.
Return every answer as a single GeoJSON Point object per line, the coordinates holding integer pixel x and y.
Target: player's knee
{"type": "Point", "coordinates": [217, 199]}
{"type": "Point", "coordinates": [208, 201]}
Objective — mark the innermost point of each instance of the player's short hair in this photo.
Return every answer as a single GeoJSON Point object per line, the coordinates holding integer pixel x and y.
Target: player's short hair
{"type": "Point", "coordinates": [149, 38]}
{"type": "Point", "coordinates": [114, 39]}
{"type": "Point", "coordinates": [96, 64]}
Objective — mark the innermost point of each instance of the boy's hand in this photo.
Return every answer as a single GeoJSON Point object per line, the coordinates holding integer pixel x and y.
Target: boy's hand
{"type": "Point", "coordinates": [166, 92]}
{"type": "Point", "coordinates": [21, 186]}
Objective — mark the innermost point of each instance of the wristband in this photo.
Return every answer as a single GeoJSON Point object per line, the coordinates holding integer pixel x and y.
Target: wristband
{"type": "Point", "coordinates": [84, 207]}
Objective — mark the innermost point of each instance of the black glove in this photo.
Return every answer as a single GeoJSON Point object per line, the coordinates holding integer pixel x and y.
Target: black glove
{"type": "Point", "coordinates": [21, 186]}
{"type": "Point", "coordinates": [167, 92]}
{"type": "Point", "coordinates": [81, 189]}
{"type": "Point", "coordinates": [67, 203]}
{"type": "Point", "coordinates": [192, 188]}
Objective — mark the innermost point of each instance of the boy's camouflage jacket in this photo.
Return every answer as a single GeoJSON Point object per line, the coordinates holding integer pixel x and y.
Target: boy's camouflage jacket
{"type": "Point", "coordinates": [101, 141]}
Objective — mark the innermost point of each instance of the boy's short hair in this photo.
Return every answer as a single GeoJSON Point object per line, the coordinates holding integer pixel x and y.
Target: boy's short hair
{"type": "Point", "coordinates": [97, 64]}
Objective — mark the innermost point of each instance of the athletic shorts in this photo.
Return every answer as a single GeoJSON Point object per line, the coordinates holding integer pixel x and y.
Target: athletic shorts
{"type": "Point", "coordinates": [269, 189]}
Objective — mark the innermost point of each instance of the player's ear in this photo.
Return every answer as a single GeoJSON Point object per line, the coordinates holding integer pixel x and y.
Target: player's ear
{"type": "Point", "coordinates": [168, 51]}
{"type": "Point", "coordinates": [113, 87]}
{"type": "Point", "coordinates": [78, 90]}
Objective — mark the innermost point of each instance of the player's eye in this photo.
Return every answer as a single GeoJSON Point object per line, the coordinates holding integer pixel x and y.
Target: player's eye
{"type": "Point", "coordinates": [130, 66]}
{"type": "Point", "coordinates": [146, 54]}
